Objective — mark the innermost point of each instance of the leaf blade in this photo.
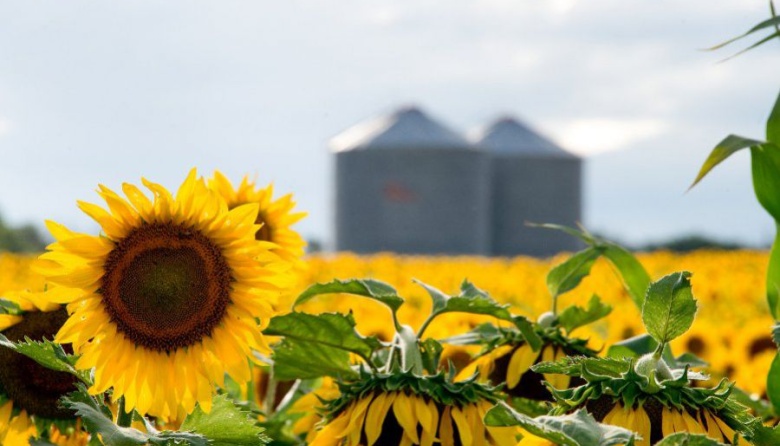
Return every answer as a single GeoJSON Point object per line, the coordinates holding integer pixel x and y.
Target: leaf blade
{"type": "Point", "coordinates": [669, 307]}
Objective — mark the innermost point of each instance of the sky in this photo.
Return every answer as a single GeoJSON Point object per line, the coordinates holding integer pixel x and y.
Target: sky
{"type": "Point", "coordinates": [107, 92]}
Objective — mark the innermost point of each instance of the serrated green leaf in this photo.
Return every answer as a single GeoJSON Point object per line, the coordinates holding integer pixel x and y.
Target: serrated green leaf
{"type": "Point", "coordinates": [688, 439]}
{"type": "Point", "coordinates": [308, 360]}
{"type": "Point", "coordinates": [45, 353]}
{"type": "Point", "coordinates": [576, 365]}
{"type": "Point", "coordinates": [372, 289]}
{"type": "Point", "coordinates": [526, 327]}
{"type": "Point", "coordinates": [669, 307]}
{"type": "Point", "coordinates": [471, 300]}
{"type": "Point", "coordinates": [334, 330]}
{"type": "Point", "coordinates": [576, 429]}
{"type": "Point", "coordinates": [633, 275]}
{"type": "Point", "coordinates": [566, 276]}
{"type": "Point", "coordinates": [225, 425]}
{"type": "Point", "coordinates": [729, 146]}
{"type": "Point", "coordinates": [765, 435]}
{"type": "Point", "coordinates": [97, 422]}
{"type": "Point", "coordinates": [574, 316]}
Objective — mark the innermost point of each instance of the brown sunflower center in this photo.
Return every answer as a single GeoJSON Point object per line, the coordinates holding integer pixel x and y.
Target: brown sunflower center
{"type": "Point", "coordinates": [166, 286]}
{"type": "Point", "coordinates": [29, 385]}
{"type": "Point", "coordinates": [265, 232]}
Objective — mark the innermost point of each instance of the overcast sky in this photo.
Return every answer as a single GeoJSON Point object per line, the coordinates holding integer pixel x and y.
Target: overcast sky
{"type": "Point", "coordinates": [105, 92]}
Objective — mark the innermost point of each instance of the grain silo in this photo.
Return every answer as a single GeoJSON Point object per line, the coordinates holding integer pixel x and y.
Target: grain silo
{"type": "Point", "coordinates": [533, 180]}
{"type": "Point", "coordinates": [407, 184]}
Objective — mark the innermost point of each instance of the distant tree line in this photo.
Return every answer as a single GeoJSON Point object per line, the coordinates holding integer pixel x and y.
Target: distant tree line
{"type": "Point", "coordinates": [24, 238]}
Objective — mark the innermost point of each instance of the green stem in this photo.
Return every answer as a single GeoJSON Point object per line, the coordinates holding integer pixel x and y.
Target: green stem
{"type": "Point", "coordinates": [659, 351]}
{"type": "Point", "coordinates": [425, 325]}
{"type": "Point", "coordinates": [123, 419]}
{"type": "Point", "coordinates": [555, 306]}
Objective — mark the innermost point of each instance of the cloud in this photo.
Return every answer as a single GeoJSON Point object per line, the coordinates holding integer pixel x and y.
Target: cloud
{"type": "Point", "coordinates": [591, 136]}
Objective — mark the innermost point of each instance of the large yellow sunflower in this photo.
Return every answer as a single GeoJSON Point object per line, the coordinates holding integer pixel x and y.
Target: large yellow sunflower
{"type": "Point", "coordinates": [275, 216]}
{"type": "Point", "coordinates": [169, 298]}
{"type": "Point", "coordinates": [29, 392]}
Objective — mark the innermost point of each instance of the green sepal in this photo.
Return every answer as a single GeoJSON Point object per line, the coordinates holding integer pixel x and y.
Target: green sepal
{"type": "Point", "coordinates": [669, 307]}
{"type": "Point", "coordinates": [8, 307]}
{"type": "Point", "coordinates": [46, 353]}
{"type": "Point", "coordinates": [576, 429]}
{"type": "Point", "coordinates": [574, 316]}
{"type": "Point", "coordinates": [372, 289]}
{"type": "Point", "coordinates": [687, 439]}
{"type": "Point", "coordinates": [431, 349]}
{"type": "Point", "coordinates": [439, 387]}
{"type": "Point", "coordinates": [225, 425]}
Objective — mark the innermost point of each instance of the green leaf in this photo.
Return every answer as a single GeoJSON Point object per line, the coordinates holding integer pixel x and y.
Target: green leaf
{"type": "Point", "coordinates": [225, 425]}
{"type": "Point", "coordinates": [765, 161]}
{"type": "Point", "coordinates": [46, 353]}
{"type": "Point", "coordinates": [411, 358]}
{"type": "Point", "coordinates": [584, 366]}
{"type": "Point", "coordinates": [631, 272]}
{"type": "Point", "coordinates": [687, 439]}
{"type": "Point", "coordinates": [773, 123]}
{"type": "Point", "coordinates": [723, 150]}
{"type": "Point", "coordinates": [309, 360]}
{"type": "Point", "coordinates": [633, 275]}
{"type": "Point", "coordinates": [96, 419]}
{"type": "Point", "coordinates": [372, 289]}
{"type": "Point", "coordinates": [526, 327]}
{"type": "Point", "coordinates": [574, 316]}
{"type": "Point", "coordinates": [329, 329]}
{"type": "Point", "coordinates": [773, 384]}
{"type": "Point", "coordinates": [669, 307]}
{"type": "Point", "coordinates": [567, 275]}
{"type": "Point", "coordinates": [576, 429]}
{"type": "Point", "coordinates": [773, 278]}
{"type": "Point", "coordinates": [640, 345]}
{"type": "Point", "coordinates": [471, 300]}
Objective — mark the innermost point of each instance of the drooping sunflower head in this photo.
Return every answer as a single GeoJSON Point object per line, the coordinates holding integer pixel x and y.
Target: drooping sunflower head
{"type": "Point", "coordinates": [170, 297]}
{"type": "Point", "coordinates": [404, 409]}
{"type": "Point", "coordinates": [275, 216]}
{"type": "Point", "coordinates": [616, 394]}
{"type": "Point", "coordinates": [509, 361]}
{"type": "Point", "coordinates": [29, 392]}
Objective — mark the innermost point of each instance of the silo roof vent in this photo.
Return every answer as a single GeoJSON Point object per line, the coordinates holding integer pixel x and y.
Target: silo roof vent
{"type": "Point", "coordinates": [512, 137]}
{"type": "Point", "coordinates": [406, 128]}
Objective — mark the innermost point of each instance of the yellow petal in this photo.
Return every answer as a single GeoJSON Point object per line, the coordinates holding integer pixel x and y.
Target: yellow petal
{"type": "Point", "coordinates": [463, 426]}
{"type": "Point", "coordinates": [404, 413]}
{"type": "Point", "coordinates": [522, 360]}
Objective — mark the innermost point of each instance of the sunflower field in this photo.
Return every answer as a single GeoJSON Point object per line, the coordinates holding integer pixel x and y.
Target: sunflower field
{"type": "Point", "coordinates": [194, 318]}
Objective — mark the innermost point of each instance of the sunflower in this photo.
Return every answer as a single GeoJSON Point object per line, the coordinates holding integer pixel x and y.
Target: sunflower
{"type": "Point", "coordinates": [173, 294]}
{"type": "Point", "coordinates": [29, 392]}
{"type": "Point", "coordinates": [511, 364]}
{"type": "Point", "coordinates": [616, 394]}
{"type": "Point", "coordinates": [411, 410]}
{"type": "Point", "coordinates": [275, 217]}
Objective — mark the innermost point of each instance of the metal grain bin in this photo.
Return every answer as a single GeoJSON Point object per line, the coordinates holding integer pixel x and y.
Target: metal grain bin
{"type": "Point", "coordinates": [407, 184]}
{"type": "Point", "coordinates": [533, 180]}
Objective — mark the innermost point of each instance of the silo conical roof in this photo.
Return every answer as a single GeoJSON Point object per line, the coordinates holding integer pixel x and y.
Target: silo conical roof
{"type": "Point", "coordinates": [512, 137]}
{"type": "Point", "coordinates": [407, 127]}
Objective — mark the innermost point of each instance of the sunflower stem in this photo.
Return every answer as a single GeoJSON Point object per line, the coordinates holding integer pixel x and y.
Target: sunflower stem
{"type": "Point", "coordinates": [123, 419]}
{"type": "Point", "coordinates": [270, 394]}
